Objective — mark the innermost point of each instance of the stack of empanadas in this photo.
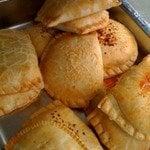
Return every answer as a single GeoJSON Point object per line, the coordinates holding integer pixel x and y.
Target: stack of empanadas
{"type": "Point", "coordinates": [55, 127]}
{"type": "Point", "coordinates": [73, 67]}
{"type": "Point", "coordinates": [122, 118]}
{"type": "Point", "coordinates": [86, 60]}
{"type": "Point", "coordinates": [20, 77]}
{"type": "Point", "coordinates": [57, 12]}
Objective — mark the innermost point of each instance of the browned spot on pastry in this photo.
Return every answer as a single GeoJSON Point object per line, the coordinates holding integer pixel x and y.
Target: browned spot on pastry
{"type": "Point", "coordinates": [145, 84]}
{"type": "Point", "coordinates": [107, 36]}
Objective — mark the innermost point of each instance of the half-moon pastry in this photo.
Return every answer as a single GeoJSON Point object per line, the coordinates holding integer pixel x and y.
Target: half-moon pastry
{"type": "Point", "coordinates": [20, 77]}
{"type": "Point", "coordinates": [86, 24]}
{"type": "Point", "coordinates": [128, 103]}
{"type": "Point", "coordinates": [54, 128]}
{"type": "Point", "coordinates": [119, 48]}
{"type": "Point", "coordinates": [55, 12]}
{"type": "Point", "coordinates": [40, 37]}
{"type": "Point", "coordinates": [72, 69]}
{"type": "Point", "coordinates": [112, 136]}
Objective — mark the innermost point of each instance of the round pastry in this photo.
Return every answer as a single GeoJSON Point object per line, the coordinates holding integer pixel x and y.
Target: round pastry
{"type": "Point", "coordinates": [119, 48]}
{"type": "Point", "coordinates": [73, 70]}
{"type": "Point", "coordinates": [55, 127]}
{"type": "Point", "coordinates": [86, 24]}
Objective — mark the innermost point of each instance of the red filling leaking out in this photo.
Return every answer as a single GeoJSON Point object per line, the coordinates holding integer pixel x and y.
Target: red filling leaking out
{"type": "Point", "coordinates": [145, 84]}
{"type": "Point", "coordinates": [111, 82]}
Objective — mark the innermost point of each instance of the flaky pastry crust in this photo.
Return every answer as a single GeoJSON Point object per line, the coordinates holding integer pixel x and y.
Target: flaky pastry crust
{"type": "Point", "coordinates": [119, 48]}
{"type": "Point", "coordinates": [55, 12]}
{"type": "Point", "coordinates": [86, 24]}
{"type": "Point", "coordinates": [61, 128]}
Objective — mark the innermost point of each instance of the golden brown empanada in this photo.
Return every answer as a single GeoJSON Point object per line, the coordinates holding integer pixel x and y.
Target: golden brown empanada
{"type": "Point", "coordinates": [86, 24]}
{"type": "Point", "coordinates": [55, 12]}
{"type": "Point", "coordinates": [40, 37]}
{"type": "Point", "coordinates": [112, 136]}
{"type": "Point", "coordinates": [20, 77]}
{"type": "Point", "coordinates": [54, 128]}
{"type": "Point", "coordinates": [119, 48]}
{"type": "Point", "coordinates": [128, 103]}
{"type": "Point", "coordinates": [72, 69]}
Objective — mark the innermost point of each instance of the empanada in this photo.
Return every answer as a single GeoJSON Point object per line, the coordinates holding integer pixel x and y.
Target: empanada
{"type": "Point", "coordinates": [39, 36]}
{"type": "Point", "coordinates": [54, 12]}
{"type": "Point", "coordinates": [72, 69]}
{"type": "Point", "coordinates": [119, 48]}
{"type": "Point", "coordinates": [112, 136]}
{"type": "Point", "coordinates": [20, 77]}
{"type": "Point", "coordinates": [128, 103]}
{"type": "Point", "coordinates": [54, 128]}
{"type": "Point", "coordinates": [86, 24]}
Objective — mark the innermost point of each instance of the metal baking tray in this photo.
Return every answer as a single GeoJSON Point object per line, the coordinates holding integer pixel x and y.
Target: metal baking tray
{"type": "Point", "coordinates": [18, 14]}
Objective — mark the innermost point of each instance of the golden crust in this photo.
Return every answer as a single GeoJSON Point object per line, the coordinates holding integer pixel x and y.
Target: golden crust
{"type": "Point", "coordinates": [9, 103]}
{"type": "Point", "coordinates": [128, 103]}
{"type": "Point", "coordinates": [55, 12]}
{"type": "Point", "coordinates": [61, 128]}
{"type": "Point", "coordinates": [39, 37]}
{"type": "Point", "coordinates": [19, 71]}
{"type": "Point", "coordinates": [119, 48]}
{"type": "Point", "coordinates": [111, 135]}
{"type": "Point", "coordinates": [86, 24]}
{"type": "Point", "coordinates": [72, 69]}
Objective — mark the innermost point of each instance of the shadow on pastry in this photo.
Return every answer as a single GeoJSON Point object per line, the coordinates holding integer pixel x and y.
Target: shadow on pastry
{"type": "Point", "coordinates": [86, 24]}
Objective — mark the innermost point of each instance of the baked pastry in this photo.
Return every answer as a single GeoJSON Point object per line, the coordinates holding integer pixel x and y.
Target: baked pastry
{"type": "Point", "coordinates": [112, 136]}
{"type": "Point", "coordinates": [119, 48]}
{"type": "Point", "coordinates": [40, 37]}
{"type": "Point", "coordinates": [55, 12]}
{"type": "Point", "coordinates": [61, 128]}
{"type": "Point", "coordinates": [86, 24]}
{"type": "Point", "coordinates": [126, 111]}
{"type": "Point", "coordinates": [20, 77]}
{"type": "Point", "coordinates": [129, 100]}
{"type": "Point", "coordinates": [72, 69]}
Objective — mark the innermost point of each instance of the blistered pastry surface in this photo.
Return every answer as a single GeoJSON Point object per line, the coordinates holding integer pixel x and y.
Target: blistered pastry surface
{"type": "Point", "coordinates": [65, 127]}
{"type": "Point", "coordinates": [119, 48]}
{"type": "Point", "coordinates": [128, 103]}
{"type": "Point", "coordinates": [72, 69]}
{"type": "Point", "coordinates": [19, 70]}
